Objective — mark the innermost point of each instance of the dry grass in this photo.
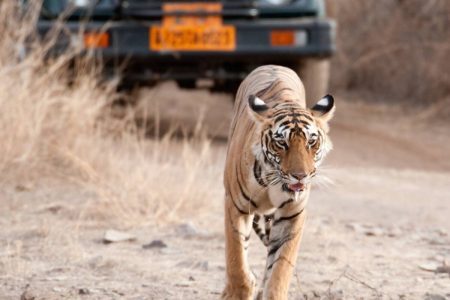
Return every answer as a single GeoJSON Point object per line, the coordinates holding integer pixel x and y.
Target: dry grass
{"type": "Point", "coordinates": [396, 50]}
{"type": "Point", "coordinates": [54, 124]}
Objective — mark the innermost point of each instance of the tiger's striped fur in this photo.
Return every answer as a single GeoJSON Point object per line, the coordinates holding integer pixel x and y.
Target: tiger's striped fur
{"type": "Point", "coordinates": [275, 146]}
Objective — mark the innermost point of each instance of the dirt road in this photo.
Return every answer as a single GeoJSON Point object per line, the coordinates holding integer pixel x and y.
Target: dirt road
{"type": "Point", "coordinates": [377, 232]}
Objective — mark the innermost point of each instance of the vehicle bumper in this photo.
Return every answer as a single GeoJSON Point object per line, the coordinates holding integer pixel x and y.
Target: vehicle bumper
{"type": "Point", "coordinates": [131, 39]}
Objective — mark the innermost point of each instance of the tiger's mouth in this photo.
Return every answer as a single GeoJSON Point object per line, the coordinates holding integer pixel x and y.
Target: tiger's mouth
{"type": "Point", "coordinates": [294, 187]}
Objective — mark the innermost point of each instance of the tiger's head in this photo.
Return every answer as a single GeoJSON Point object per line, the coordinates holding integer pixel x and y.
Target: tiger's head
{"type": "Point", "coordinates": [293, 140]}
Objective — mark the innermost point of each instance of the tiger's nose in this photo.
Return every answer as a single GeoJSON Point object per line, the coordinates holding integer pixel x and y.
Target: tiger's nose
{"type": "Point", "coordinates": [298, 176]}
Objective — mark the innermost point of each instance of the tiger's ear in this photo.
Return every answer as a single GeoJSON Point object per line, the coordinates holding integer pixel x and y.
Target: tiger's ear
{"type": "Point", "coordinates": [258, 108]}
{"type": "Point", "coordinates": [323, 111]}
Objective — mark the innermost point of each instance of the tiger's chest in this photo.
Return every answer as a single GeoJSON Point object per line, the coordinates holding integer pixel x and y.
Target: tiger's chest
{"type": "Point", "coordinates": [270, 196]}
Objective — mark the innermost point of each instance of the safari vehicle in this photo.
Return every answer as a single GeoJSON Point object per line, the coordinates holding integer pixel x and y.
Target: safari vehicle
{"type": "Point", "coordinates": [190, 40]}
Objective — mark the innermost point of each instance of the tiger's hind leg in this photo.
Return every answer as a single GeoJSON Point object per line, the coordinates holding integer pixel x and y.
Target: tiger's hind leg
{"type": "Point", "coordinates": [240, 281]}
{"type": "Point", "coordinates": [284, 240]}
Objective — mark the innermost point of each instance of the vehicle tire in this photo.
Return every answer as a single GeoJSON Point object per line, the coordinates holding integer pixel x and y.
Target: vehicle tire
{"type": "Point", "coordinates": [315, 75]}
{"type": "Point", "coordinates": [187, 83]}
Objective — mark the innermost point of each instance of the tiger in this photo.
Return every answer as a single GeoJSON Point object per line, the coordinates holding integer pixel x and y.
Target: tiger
{"type": "Point", "coordinates": [275, 146]}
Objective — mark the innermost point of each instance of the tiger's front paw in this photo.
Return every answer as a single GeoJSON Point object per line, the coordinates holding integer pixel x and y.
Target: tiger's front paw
{"type": "Point", "coordinates": [240, 292]}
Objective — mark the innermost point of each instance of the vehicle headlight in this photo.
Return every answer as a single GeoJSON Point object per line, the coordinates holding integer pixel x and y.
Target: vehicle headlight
{"type": "Point", "coordinates": [274, 2]}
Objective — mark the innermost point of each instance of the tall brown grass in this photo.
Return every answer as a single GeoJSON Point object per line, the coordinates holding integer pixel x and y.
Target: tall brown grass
{"type": "Point", "coordinates": [395, 50]}
{"type": "Point", "coordinates": [54, 125]}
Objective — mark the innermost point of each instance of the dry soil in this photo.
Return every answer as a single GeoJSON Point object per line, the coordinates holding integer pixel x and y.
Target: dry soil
{"type": "Point", "coordinates": [379, 231]}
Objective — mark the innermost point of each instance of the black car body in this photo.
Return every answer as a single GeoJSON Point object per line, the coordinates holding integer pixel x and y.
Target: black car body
{"type": "Point", "coordinates": [190, 40]}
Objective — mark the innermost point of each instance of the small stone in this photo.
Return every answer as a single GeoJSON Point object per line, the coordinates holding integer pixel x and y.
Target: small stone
{"type": "Point", "coordinates": [99, 262]}
{"type": "Point", "coordinates": [442, 232]}
{"type": "Point", "coordinates": [203, 265]}
{"type": "Point", "coordinates": [57, 278]}
{"type": "Point", "coordinates": [374, 231]}
{"type": "Point", "coordinates": [95, 261]}
{"type": "Point", "coordinates": [429, 266]}
{"type": "Point", "coordinates": [395, 232]}
{"type": "Point", "coordinates": [118, 292]}
{"type": "Point", "coordinates": [54, 208]}
{"type": "Point", "coordinates": [187, 229]}
{"type": "Point", "coordinates": [366, 229]}
{"type": "Point", "coordinates": [27, 295]}
{"type": "Point", "coordinates": [200, 265]}
{"type": "Point", "coordinates": [24, 187]}
{"type": "Point", "coordinates": [155, 244]}
{"type": "Point", "coordinates": [356, 227]}
{"type": "Point", "coordinates": [191, 278]}
{"type": "Point", "coordinates": [434, 267]}
{"type": "Point", "coordinates": [443, 269]}
{"type": "Point", "coordinates": [182, 284]}
{"type": "Point", "coordinates": [332, 259]}
{"type": "Point", "coordinates": [83, 291]}
{"type": "Point", "coordinates": [115, 236]}
{"type": "Point", "coordinates": [437, 241]}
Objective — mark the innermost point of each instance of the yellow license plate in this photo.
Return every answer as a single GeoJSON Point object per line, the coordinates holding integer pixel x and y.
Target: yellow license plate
{"type": "Point", "coordinates": [193, 38]}
{"type": "Point", "coordinates": [199, 27]}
